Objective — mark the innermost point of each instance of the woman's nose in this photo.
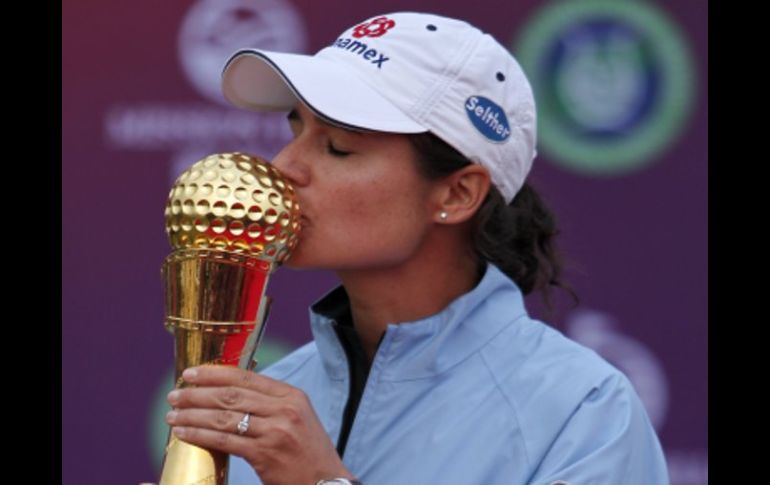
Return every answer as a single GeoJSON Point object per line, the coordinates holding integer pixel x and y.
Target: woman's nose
{"type": "Point", "coordinates": [290, 163]}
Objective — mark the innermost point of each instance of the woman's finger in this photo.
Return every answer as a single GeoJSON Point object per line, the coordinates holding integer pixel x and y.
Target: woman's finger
{"type": "Point", "coordinates": [231, 443]}
{"type": "Point", "coordinates": [226, 398]}
{"type": "Point", "coordinates": [218, 376]}
{"type": "Point", "coordinates": [216, 419]}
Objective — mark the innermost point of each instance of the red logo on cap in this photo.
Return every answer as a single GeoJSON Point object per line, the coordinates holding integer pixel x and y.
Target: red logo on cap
{"type": "Point", "coordinates": [376, 28]}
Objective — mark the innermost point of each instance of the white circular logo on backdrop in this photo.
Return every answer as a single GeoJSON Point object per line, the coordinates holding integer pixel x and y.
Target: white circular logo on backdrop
{"type": "Point", "coordinates": [599, 332]}
{"type": "Point", "coordinates": [212, 30]}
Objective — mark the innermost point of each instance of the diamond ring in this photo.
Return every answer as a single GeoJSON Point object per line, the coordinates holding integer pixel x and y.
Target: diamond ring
{"type": "Point", "coordinates": [243, 424]}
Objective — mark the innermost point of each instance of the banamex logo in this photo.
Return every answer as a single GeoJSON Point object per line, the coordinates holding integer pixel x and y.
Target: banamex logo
{"type": "Point", "coordinates": [488, 118]}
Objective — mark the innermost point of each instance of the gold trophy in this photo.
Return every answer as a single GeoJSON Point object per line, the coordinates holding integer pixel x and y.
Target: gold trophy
{"type": "Point", "coordinates": [232, 219]}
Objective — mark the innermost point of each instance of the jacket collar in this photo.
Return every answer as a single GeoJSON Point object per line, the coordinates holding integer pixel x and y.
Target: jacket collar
{"type": "Point", "coordinates": [430, 346]}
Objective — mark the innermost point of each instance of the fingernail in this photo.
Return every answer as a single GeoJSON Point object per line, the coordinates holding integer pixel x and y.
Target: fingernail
{"type": "Point", "coordinates": [173, 397]}
{"type": "Point", "coordinates": [190, 374]}
{"type": "Point", "coordinates": [179, 432]}
{"type": "Point", "coordinates": [171, 417]}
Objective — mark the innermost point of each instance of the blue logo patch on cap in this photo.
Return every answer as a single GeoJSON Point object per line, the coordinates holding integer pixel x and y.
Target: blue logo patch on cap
{"type": "Point", "coordinates": [488, 118]}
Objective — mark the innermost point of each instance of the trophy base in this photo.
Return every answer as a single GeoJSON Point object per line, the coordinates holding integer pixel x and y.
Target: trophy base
{"type": "Point", "coordinates": [187, 464]}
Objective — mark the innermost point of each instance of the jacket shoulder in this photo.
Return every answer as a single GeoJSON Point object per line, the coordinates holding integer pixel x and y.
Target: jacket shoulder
{"type": "Point", "coordinates": [531, 358]}
{"type": "Point", "coordinates": [563, 392]}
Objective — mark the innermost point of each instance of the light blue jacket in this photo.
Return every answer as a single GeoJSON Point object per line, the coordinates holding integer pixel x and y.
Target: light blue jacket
{"type": "Point", "coordinates": [479, 393]}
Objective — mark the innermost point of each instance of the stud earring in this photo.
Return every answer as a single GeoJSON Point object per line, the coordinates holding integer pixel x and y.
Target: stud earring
{"type": "Point", "coordinates": [443, 215]}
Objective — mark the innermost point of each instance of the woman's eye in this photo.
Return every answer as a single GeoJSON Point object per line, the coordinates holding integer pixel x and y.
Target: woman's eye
{"type": "Point", "coordinates": [336, 152]}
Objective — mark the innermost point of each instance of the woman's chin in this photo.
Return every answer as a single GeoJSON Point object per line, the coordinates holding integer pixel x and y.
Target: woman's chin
{"type": "Point", "coordinates": [297, 260]}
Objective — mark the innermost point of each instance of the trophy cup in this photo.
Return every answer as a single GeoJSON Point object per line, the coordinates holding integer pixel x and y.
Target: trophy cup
{"type": "Point", "coordinates": [232, 219]}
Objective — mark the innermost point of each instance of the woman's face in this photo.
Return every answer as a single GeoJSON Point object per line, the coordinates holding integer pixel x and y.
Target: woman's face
{"type": "Point", "coordinates": [364, 204]}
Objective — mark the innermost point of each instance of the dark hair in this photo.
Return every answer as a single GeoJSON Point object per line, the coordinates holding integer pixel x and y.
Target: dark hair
{"type": "Point", "coordinates": [519, 238]}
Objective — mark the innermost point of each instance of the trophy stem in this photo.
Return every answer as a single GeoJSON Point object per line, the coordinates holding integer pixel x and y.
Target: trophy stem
{"type": "Point", "coordinates": [186, 464]}
{"type": "Point", "coordinates": [216, 308]}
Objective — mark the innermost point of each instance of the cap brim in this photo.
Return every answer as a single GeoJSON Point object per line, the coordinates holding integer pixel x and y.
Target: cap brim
{"type": "Point", "coordinates": [274, 81]}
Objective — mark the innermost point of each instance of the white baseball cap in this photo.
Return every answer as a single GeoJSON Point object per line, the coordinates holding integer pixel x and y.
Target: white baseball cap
{"type": "Point", "coordinates": [405, 73]}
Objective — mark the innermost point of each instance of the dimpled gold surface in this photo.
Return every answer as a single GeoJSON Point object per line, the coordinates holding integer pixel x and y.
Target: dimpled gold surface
{"type": "Point", "coordinates": [234, 202]}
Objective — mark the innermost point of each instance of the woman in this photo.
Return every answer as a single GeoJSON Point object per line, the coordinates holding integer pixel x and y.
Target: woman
{"type": "Point", "coordinates": [413, 136]}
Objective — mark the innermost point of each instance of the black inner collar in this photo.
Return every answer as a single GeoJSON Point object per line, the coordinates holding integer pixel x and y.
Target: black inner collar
{"type": "Point", "coordinates": [336, 307]}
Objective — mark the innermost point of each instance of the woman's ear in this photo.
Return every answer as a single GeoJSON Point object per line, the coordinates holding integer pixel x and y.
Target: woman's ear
{"type": "Point", "coordinates": [461, 193]}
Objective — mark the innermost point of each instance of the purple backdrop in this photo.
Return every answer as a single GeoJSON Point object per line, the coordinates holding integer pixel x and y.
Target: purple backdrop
{"type": "Point", "coordinates": [140, 104]}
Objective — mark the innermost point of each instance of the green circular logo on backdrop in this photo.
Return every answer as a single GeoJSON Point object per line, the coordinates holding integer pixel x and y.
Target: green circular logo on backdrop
{"type": "Point", "coordinates": [268, 352]}
{"type": "Point", "coordinates": [613, 81]}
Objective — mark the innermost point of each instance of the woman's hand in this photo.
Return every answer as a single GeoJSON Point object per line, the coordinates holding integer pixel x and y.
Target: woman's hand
{"type": "Point", "coordinates": [285, 442]}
